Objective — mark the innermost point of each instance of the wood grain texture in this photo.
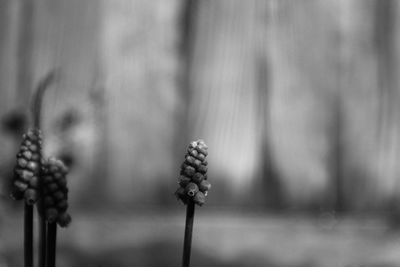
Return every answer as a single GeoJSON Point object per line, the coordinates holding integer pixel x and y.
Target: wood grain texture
{"type": "Point", "coordinates": [297, 100]}
{"type": "Point", "coordinates": [140, 42]}
{"type": "Point", "coordinates": [223, 93]}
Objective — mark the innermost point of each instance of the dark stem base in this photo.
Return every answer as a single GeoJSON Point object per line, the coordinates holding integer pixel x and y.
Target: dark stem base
{"type": "Point", "coordinates": [187, 244]}
{"type": "Point", "coordinates": [51, 244]}
{"type": "Point", "coordinates": [28, 236]}
{"type": "Point", "coordinates": [42, 242]}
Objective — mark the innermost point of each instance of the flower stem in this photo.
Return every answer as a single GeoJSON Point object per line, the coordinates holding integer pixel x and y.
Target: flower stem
{"type": "Point", "coordinates": [44, 83]}
{"type": "Point", "coordinates": [28, 235]}
{"type": "Point", "coordinates": [51, 244]}
{"type": "Point", "coordinates": [42, 242]}
{"type": "Point", "coordinates": [187, 244]}
{"type": "Point", "coordinates": [38, 97]}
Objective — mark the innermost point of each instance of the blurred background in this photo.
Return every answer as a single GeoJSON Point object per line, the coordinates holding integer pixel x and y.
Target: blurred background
{"type": "Point", "coordinates": [298, 101]}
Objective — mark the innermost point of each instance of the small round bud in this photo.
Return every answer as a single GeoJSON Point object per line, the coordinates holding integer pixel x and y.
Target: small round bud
{"type": "Point", "coordinates": [193, 144]}
{"type": "Point", "coordinates": [204, 186]}
{"type": "Point", "coordinates": [20, 185]}
{"type": "Point", "coordinates": [202, 169]}
{"type": "Point", "coordinates": [199, 198]}
{"type": "Point", "coordinates": [35, 156]}
{"type": "Point", "coordinates": [183, 181]}
{"type": "Point", "coordinates": [31, 196]}
{"type": "Point", "coordinates": [64, 219]}
{"type": "Point", "coordinates": [197, 177]}
{"type": "Point", "coordinates": [51, 215]}
{"type": "Point", "coordinates": [22, 162]}
{"type": "Point", "coordinates": [18, 171]}
{"type": "Point", "coordinates": [202, 150]}
{"type": "Point", "coordinates": [57, 175]}
{"type": "Point", "coordinates": [58, 195]}
{"type": "Point", "coordinates": [53, 169]}
{"type": "Point", "coordinates": [33, 166]}
{"type": "Point", "coordinates": [194, 153]}
{"type": "Point", "coordinates": [48, 201]}
{"type": "Point", "coordinates": [26, 175]}
{"type": "Point", "coordinates": [191, 189]}
{"type": "Point", "coordinates": [62, 205]}
{"type": "Point", "coordinates": [52, 187]}
{"type": "Point", "coordinates": [197, 163]}
{"type": "Point", "coordinates": [27, 155]}
{"type": "Point", "coordinates": [47, 179]}
{"type": "Point", "coordinates": [34, 182]}
{"type": "Point", "coordinates": [189, 171]}
{"type": "Point", "coordinates": [27, 143]}
{"type": "Point", "coordinates": [62, 182]}
{"type": "Point", "coordinates": [31, 135]}
{"type": "Point", "coordinates": [180, 192]}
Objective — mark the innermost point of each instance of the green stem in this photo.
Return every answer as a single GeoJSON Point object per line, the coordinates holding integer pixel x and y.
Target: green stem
{"type": "Point", "coordinates": [51, 244]}
{"type": "Point", "coordinates": [187, 244]}
{"type": "Point", "coordinates": [28, 236]}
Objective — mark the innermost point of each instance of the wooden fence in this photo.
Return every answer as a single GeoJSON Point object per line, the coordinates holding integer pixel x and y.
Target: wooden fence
{"type": "Point", "coordinates": [297, 100]}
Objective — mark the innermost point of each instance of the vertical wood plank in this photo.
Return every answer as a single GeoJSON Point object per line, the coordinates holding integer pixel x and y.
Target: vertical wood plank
{"type": "Point", "coordinates": [223, 93]}
{"type": "Point", "coordinates": [67, 38]}
{"type": "Point", "coordinates": [303, 72]}
{"type": "Point", "coordinates": [139, 44]}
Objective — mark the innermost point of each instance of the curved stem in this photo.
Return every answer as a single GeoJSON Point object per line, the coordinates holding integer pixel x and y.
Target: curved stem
{"type": "Point", "coordinates": [36, 113]}
{"type": "Point", "coordinates": [38, 97]}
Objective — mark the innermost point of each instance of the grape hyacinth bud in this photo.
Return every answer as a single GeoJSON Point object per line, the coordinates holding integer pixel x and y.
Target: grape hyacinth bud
{"type": "Point", "coordinates": [27, 169]}
{"type": "Point", "coordinates": [193, 184]}
{"type": "Point", "coordinates": [55, 191]}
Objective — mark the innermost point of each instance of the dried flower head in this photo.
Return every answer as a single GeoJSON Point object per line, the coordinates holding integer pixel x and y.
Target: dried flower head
{"type": "Point", "coordinates": [27, 169]}
{"type": "Point", "coordinates": [55, 192]}
{"type": "Point", "coordinates": [193, 184]}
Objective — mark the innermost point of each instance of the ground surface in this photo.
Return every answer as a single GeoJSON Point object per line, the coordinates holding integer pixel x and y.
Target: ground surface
{"type": "Point", "coordinates": [221, 238]}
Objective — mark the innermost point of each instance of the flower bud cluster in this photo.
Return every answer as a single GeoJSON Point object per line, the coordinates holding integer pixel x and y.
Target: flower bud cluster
{"type": "Point", "coordinates": [55, 192]}
{"type": "Point", "coordinates": [27, 170]}
{"type": "Point", "coordinates": [193, 184]}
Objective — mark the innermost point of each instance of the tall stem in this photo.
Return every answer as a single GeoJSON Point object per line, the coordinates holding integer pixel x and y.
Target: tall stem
{"type": "Point", "coordinates": [42, 242]}
{"type": "Point", "coordinates": [28, 236]}
{"type": "Point", "coordinates": [38, 97]}
{"type": "Point", "coordinates": [37, 115]}
{"type": "Point", "coordinates": [187, 244]}
{"type": "Point", "coordinates": [51, 245]}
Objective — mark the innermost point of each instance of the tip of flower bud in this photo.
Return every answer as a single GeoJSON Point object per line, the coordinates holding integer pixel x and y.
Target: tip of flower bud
{"type": "Point", "coordinates": [204, 186]}
{"type": "Point", "coordinates": [64, 219]}
{"type": "Point", "coordinates": [191, 189]}
{"type": "Point", "coordinates": [31, 196]}
{"type": "Point", "coordinates": [199, 198]}
{"type": "Point", "coordinates": [51, 215]}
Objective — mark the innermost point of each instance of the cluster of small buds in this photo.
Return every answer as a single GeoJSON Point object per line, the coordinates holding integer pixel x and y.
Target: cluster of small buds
{"type": "Point", "coordinates": [27, 169]}
{"type": "Point", "coordinates": [193, 184]}
{"type": "Point", "coordinates": [55, 192]}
